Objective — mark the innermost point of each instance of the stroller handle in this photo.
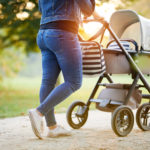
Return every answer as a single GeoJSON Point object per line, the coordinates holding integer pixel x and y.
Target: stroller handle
{"type": "Point", "coordinates": [100, 32]}
{"type": "Point", "coordinates": [100, 20]}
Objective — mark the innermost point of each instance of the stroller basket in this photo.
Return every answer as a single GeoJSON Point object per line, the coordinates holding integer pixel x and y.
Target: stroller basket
{"type": "Point", "coordinates": [92, 59]}
{"type": "Point", "coordinates": [115, 94]}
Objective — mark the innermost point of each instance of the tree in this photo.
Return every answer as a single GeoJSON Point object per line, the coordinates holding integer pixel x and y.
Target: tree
{"type": "Point", "coordinates": [10, 62]}
{"type": "Point", "coordinates": [19, 23]}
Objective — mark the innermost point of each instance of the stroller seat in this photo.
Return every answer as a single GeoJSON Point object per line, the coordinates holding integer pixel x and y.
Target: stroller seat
{"type": "Point", "coordinates": [116, 61]}
{"type": "Point", "coordinates": [129, 45]}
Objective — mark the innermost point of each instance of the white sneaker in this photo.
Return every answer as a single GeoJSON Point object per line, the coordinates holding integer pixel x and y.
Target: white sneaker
{"type": "Point", "coordinates": [58, 131]}
{"type": "Point", "coordinates": [36, 123]}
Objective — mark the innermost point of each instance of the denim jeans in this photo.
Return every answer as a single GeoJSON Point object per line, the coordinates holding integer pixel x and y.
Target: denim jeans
{"type": "Point", "coordinates": [60, 52]}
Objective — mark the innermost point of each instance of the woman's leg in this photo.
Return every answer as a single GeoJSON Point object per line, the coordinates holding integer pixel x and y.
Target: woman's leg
{"type": "Point", "coordinates": [66, 47]}
{"type": "Point", "coordinates": [51, 71]}
{"type": "Point", "coordinates": [50, 74]}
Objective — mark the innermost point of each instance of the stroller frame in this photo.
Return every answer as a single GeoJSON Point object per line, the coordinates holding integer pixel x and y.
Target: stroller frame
{"type": "Point", "coordinates": [136, 76]}
{"type": "Point", "coordinates": [136, 73]}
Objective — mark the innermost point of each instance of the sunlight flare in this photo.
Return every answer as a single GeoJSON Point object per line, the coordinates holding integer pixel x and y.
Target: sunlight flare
{"type": "Point", "coordinates": [105, 10]}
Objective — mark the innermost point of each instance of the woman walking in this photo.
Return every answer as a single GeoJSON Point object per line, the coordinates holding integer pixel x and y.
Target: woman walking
{"type": "Point", "coordinates": [58, 42]}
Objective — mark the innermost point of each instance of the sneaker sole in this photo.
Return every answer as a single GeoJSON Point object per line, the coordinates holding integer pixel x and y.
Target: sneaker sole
{"type": "Point", "coordinates": [34, 128]}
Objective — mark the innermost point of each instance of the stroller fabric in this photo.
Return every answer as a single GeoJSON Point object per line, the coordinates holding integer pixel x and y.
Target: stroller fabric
{"type": "Point", "coordinates": [114, 45]}
{"type": "Point", "coordinates": [127, 24]}
{"type": "Point", "coordinates": [127, 44]}
{"type": "Point", "coordinates": [92, 59]}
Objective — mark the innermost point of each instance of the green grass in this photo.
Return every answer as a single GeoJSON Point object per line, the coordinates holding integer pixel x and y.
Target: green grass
{"type": "Point", "coordinates": [17, 96]}
{"type": "Point", "coordinates": [20, 94]}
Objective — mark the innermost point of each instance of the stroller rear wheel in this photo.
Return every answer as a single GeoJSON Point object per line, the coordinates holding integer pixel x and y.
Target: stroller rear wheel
{"type": "Point", "coordinates": [143, 117]}
{"type": "Point", "coordinates": [122, 120]}
{"type": "Point", "coordinates": [77, 114]}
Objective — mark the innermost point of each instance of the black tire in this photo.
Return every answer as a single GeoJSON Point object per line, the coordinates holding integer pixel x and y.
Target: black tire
{"type": "Point", "coordinates": [80, 121]}
{"type": "Point", "coordinates": [122, 120]}
{"type": "Point", "coordinates": [143, 117]}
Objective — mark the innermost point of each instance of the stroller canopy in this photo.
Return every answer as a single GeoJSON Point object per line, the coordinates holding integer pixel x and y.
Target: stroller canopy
{"type": "Point", "coordinates": [127, 24]}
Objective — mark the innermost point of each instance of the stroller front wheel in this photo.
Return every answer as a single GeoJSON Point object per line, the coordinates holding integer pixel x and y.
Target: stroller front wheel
{"type": "Point", "coordinates": [122, 120]}
{"type": "Point", "coordinates": [77, 114]}
{"type": "Point", "coordinates": [143, 117]}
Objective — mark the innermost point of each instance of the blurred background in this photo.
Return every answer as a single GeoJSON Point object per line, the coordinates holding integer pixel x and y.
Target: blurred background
{"type": "Point", "coordinates": [20, 58]}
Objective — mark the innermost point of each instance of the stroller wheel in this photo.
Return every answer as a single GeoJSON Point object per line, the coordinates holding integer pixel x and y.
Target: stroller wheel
{"type": "Point", "coordinates": [143, 117]}
{"type": "Point", "coordinates": [77, 114]}
{"type": "Point", "coordinates": [122, 120]}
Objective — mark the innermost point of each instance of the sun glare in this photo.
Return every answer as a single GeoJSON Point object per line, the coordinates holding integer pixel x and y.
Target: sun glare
{"type": "Point", "coordinates": [30, 5]}
{"type": "Point", "coordinates": [105, 10]}
{"type": "Point", "coordinates": [24, 15]}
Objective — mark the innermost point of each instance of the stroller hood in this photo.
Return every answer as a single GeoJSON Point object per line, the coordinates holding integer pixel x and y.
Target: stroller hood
{"type": "Point", "coordinates": [127, 24]}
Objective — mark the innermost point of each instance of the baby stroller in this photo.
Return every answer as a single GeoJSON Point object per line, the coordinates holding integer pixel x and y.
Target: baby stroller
{"type": "Point", "coordinates": [126, 53]}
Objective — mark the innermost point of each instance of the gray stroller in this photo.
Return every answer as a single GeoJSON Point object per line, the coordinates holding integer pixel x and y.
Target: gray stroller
{"type": "Point", "coordinates": [128, 52]}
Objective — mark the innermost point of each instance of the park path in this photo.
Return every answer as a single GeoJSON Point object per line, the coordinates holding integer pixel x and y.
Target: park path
{"type": "Point", "coordinates": [96, 134]}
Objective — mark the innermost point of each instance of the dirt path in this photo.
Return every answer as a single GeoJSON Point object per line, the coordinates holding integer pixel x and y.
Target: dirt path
{"type": "Point", "coordinates": [96, 134]}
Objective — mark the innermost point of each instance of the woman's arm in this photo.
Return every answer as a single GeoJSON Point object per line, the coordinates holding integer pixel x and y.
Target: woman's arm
{"type": "Point", "coordinates": [87, 6]}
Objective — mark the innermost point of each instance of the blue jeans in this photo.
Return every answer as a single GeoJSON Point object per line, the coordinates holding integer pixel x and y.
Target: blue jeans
{"type": "Point", "coordinates": [60, 52]}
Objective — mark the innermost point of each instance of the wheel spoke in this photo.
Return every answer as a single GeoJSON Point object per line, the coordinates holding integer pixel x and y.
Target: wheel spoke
{"type": "Point", "coordinates": [74, 116]}
{"type": "Point", "coordinates": [123, 121]}
{"type": "Point", "coordinates": [145, 116]}
{"type": "Point", "coordinates": [145, 122]}
{"type": "Point", "coordinates": [79, 109]}
{"type": "Point", "coordinates": [79, 119]}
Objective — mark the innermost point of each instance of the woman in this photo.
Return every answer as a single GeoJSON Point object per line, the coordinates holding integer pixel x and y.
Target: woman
{"type": "Point", "coordinates": [58, 42]}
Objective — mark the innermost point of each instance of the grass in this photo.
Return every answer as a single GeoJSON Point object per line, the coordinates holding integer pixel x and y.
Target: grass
{"type": "Point", "coordinates": [20, 94]}
{"type": "Point", "coordinates": [17, 96]}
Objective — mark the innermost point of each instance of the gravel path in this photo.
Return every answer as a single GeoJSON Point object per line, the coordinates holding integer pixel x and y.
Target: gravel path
{"type": "Point", "coordinates": [96, 134]}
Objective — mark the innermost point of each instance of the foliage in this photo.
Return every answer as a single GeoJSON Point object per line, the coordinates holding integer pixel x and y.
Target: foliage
{"type": "Point", "coordinates": [20, 21]}
{"type": "Point", "coordinates": [145, 11]}
{"type": "Point", "coordinates": [10, 62]}
{"type": "Point", "coordinates": [126, 3]}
